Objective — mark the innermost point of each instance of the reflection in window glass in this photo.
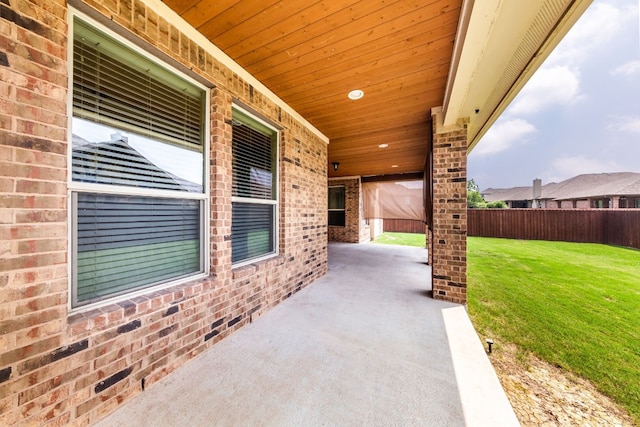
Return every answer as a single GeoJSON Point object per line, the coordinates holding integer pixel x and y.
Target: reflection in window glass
{"type": "Point", "coordinates": [253, 160]}
{"type": "Point", "coordinates": [105, 155]}
{"type": "Point", "coordinates": [337, 215]}
{"type": "Point", "coordinates": [129, 242]}
{"type": "Point", "coordinates": [336, 197]}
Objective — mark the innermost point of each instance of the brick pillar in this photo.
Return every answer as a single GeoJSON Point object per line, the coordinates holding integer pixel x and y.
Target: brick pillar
{"type": "Point", "coordinates": [615, 202]}
{"type": "Point", "coordinates": [449, 239]}
{"type": "Point", "coordinates": [33, 216]}
{"type": "Point", "coordinates": [221, 183]}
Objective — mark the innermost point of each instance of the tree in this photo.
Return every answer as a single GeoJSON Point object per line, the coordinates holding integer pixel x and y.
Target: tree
{"type": "Point", "coordinates": [476, 201]}
{"type": "Point", "coordinates": [474, 198]}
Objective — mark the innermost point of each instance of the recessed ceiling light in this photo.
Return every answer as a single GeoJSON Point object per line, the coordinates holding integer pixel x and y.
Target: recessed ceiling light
{"type": "Point", "coordinates": [394, 166]}
{"type": "Point", "coordinates": [356, 94]}
{"type": "Point", "coordinates": [383, 145]}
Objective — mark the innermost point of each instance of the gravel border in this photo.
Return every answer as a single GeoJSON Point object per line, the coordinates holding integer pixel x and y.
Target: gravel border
{"type": "Point", "coordinates": [544, 395]}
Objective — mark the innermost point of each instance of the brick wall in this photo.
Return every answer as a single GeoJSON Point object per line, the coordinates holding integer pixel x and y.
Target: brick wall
{"type": "Point", "coordinates": [356, 230]}
{"type": "Point", "coordinates": [449, 237]}
{"type": "Point", "coordinates": [72, 368]}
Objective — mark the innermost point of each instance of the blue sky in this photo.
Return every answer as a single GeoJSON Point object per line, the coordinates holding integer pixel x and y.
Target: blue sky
{"type": "Point", "coordinates": [580, 112]}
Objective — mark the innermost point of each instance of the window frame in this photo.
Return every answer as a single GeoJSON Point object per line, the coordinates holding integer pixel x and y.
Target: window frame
{"type": "Point", "coordinates": [344, 210]}
{"type": "Point", "coordinates": [601, 203]}
{"type": "Point", "coordinates": [275, 201]}
{"type": "Point", "coordinates": [623, 202]}
{"type": "Point", "coordinates": [76, 187]}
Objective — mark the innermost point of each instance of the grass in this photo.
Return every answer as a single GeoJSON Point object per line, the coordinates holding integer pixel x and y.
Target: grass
{"type": "Point", "coordinates": [403, 239]}
{"type": "Point", "coordinates": [575, 305]}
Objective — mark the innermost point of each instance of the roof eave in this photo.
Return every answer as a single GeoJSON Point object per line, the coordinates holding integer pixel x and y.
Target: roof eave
{"type": "Point", "coordinates": [499, 46]}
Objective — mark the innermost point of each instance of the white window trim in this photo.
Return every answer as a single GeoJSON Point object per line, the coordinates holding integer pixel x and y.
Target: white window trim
{"type": "Point", "coordinates": [339, 210]}
{"type": "Point", "coordinates": [74, 187]}
{"type": "Point", "coordinates": [275, 202]}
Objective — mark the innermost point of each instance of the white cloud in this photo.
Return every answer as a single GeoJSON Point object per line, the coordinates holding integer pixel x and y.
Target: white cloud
{"type": "Point", "coordinates": [566, 167]}
{"type": "Point", "coordinates": [580, 70]}
{"type": "Point", "coordinates": [628, 69]}
{"type": "Point", "coordinates": [503, 135]}
{"type": "Point", "coordinates": [629, 124]}
{"type": "Point", "coordinates": [556, 85]}
{"type": "Point", "coordinates": [599, 25]}
{"type": "Point", "coordinates": [621, 123]}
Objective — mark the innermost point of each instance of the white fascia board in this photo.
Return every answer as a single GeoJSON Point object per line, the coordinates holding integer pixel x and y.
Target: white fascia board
{"type": "Point", "coordinates": [474, 30]}
{"type": "Point", "coordinates": [571, 16]}
{"type": "Point", "coordinates": [496, 30]}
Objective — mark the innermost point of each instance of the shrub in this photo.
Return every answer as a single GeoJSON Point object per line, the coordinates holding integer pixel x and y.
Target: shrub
{"type": "Point", "coordinates": [497, 205]}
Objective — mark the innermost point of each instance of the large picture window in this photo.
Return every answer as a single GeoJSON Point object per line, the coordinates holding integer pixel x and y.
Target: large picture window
{"type": "Point", "coordinates": [337, 206]}
{"type": "Point", "coordinates": [137, 170]}
{"type": "Point", "coordinates": [255, 184]}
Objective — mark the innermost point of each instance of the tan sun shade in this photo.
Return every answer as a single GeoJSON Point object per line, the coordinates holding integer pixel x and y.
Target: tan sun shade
{"type": "Point", "coordinates": [394, 200]}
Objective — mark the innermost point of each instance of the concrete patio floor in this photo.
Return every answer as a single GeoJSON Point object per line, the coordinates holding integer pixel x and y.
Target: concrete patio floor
{"type": "Point", "coordinates": [363, 346]}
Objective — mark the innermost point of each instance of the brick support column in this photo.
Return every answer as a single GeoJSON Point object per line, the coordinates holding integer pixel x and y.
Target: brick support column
{"type": "Point", "coordinates": [615, 202]}
{"type": "Point", "coordinates": [449, 239]}
{"type": "Point", "coordinates": [221, 182]}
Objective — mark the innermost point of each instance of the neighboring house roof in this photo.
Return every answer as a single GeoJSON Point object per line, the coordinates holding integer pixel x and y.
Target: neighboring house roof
{"type": "Point", "coordinates": [116, 162]}
{"type": "Point", "coordinates": [514, 193]}
{"type": "Point", "coordinates": [579, 187]}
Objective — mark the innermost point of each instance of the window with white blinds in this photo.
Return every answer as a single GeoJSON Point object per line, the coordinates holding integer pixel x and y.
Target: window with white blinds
{"type": "Point", "coordinates": [255, 202]}
{"type": "Point", "coordinates": [117, 86]}
{"type": "Point", "coordinates": [137, 162]}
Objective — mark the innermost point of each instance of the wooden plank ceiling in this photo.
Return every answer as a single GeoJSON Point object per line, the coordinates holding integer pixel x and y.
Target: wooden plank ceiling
{"type": "Point", "coordinates": [311, 53]}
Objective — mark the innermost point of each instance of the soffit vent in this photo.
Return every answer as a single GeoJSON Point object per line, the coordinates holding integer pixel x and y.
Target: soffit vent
{"type": "Point", "coordinates": [531, 43]}
{"type": "Point", "coordinates": [548, 16]}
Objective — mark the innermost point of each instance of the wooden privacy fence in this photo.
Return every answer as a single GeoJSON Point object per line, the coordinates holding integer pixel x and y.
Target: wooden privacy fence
{"type": "Point", "coordinates": [611, 227]}
{"type": "Point", "coordinates": [404, 226]}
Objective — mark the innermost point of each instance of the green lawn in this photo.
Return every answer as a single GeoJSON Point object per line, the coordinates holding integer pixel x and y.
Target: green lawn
{"type": "Point", "coordinates": [575, 305]}
{"type": "Point", "coordinates": [403, 239]}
